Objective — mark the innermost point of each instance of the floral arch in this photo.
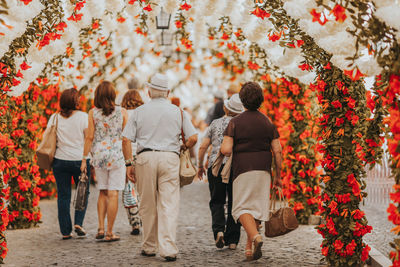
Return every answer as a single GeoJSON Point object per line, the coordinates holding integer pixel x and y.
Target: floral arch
{"type": "Point", "coordinates": [311, 57]}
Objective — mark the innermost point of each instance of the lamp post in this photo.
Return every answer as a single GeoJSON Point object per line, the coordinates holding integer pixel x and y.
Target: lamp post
{"type": "Point", "coordinates": [165, 38]}
{"type": "Point", "coordinates": [162, 20]}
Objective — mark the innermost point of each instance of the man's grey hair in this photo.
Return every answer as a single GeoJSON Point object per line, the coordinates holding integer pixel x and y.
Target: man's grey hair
{"type": "Point", "coordinates": [133, 84]}
{"type": "Point", "coordinates": [154, 93]}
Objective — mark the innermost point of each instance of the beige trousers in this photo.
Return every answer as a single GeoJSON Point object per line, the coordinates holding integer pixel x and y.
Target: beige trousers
{"type": "Point", "coordinates": [157, 178]}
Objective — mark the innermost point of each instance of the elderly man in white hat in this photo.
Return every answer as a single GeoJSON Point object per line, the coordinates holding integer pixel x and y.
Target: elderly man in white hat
{"type": "Point", "coordinates": [156, 128]}
{"type": "Point", "coordinates": [226, 231]}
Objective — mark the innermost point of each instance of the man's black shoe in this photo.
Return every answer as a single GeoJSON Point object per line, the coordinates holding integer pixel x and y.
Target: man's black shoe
{"type": "Point", "coordinates": [169, 258]}
{"type": "Point", "coordinates": [135, 231]}
{"type": "Point", "coordinates": [143, 253]}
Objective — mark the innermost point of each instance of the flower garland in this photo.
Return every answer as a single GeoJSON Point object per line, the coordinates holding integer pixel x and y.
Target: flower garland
{"type": "Point", "coordinates": [4, 195]}
{"type": "Point", "coordinates": [301, 174]}
{"type": "Point", "coordinates": [342, 132]}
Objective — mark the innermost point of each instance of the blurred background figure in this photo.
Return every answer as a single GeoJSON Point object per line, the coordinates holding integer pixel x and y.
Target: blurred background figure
{"type": "Point", "coordinates": [133, 84]}
{"type": "Point", "coordinates": [216, 111]}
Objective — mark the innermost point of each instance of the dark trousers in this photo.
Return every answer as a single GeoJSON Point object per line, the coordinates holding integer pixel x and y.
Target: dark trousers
{"type": "Point", "coordinates": [63, 171]}
{"type": "Point", "coordinates": [219, 191]}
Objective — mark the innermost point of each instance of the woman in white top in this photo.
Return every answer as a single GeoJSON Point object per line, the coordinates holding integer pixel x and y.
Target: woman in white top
{"type": "Point", "coordinates": [104, 140]}
{"type": "Point", "coordinates": [130, 102]}
{"type": "Point", "coordinates": [72, 125]}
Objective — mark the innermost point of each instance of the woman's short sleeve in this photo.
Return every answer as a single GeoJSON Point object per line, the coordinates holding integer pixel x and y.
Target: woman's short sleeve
{"type": "Point", "coordinates": [230, 130]}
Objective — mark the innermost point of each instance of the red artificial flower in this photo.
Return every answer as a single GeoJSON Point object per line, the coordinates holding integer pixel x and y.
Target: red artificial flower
{"type": "Point", "coordinates": [274, 37]}
{"type": "Point", "coordinates": [148, 8]}
{"type": "Point", "coordinates": [253, 65]}
{"type": "Point", "coordinates": [317, 17]}
{"type": "Point", "coordinates": [24, 66]}
{"type": "Point", "coordinates": [186, 7]}
{"type": "Point", "coordinates": [354, 119]}
{"type": "Point", "coordinates": [325, 251]}
{"type": "Point", "coordinates": [95, 25]}
{"type": "Point", "coordinates": [354, 76]}
{"type": "Point", "coordinates": [339, 12]}
{"type": "Point", "coordinates": [351, 247]}
{"type": "Point", "coordinates": [328, 66]}
{"type": "Point", "coordinates": [358, 214]}
{"type": "Point", "coordinates": [365, 253]}
{"type": "Point", "coordinates": [338, 245]}
{"type": "Point", "coordinates": [351, 103]}
{"type": "Point", "coordinates": [178, 24]}
{"type": "Point", "coordinates": [75, 17]}
{"type": "Point", "coordinates": [79, 5]}
{"type": "Point", "coordinates": [305, 66]}
{"type": "Point", "coordinates": [261, 13]}
{"type": "Point", "coordinates": [339, 121]}
{"type": "Point", "coordinates": [121, 19]}
{"type": "Point", "coordinates": [26, 2]}
{"type": "Point", "coordinates": [61, 26]}
{"type": "Point", "coordinates": [225, 36]}
{"type": "Point", "coordinates": [300, 43]}
{"type": "Point", "coordinates": [131, 2]}
{"type": "Point", "coordinates": [336, 104]}
{"type": "Point", "coordinates": [108, 54]}
{"type": "Point", "coordinates": [370, 101]}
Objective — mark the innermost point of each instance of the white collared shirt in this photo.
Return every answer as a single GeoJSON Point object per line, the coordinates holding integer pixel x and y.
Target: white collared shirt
{"type": "Point", "coordinates": [157, 125]}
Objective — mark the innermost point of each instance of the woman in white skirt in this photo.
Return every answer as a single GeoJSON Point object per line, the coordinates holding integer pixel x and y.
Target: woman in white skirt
{"type": "Point", "coordinates": [252, 138]}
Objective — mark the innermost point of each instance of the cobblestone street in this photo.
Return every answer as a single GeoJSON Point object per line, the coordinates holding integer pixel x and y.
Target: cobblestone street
{"type": "Point", "coordinates": [43, 246]}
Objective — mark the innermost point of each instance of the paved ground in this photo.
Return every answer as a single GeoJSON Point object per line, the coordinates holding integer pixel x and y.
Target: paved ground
{"type": "Point", "coordinates": [381, 236]}
{"type": "Point", "coordinates": [43, 246]}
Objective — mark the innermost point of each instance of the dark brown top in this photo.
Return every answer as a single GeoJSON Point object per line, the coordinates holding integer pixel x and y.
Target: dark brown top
{"type": "Point", "coordinates": [252, 134]}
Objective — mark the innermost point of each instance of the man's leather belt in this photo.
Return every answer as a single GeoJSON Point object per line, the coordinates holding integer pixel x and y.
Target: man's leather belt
{"type": "Point", "coordinates": [155, 150]}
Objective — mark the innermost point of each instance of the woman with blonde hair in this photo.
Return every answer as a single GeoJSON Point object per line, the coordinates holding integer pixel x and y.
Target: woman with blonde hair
{"type": "Point", "coordinates": [131, 101]}
{"type": "Point", "coordinates": [104, 140]}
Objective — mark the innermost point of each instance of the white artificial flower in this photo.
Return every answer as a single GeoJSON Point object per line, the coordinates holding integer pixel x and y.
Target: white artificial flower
{"type": "Point", "coordinates": [340, 62]}
{"type": "Point", "coordinates": [19, 89]}
{"type": "Point", "coordinates": [96, 8]}
{"type": "Point", "coordinates": [170, 6]}
{"type": "Point", "coordinates": [368, 66]}
{"type": "Point", "coordinates": [299, 8]}
{"type": "Point", "coordinates": [342, 43]}
{"type": "Point", "coordinates": [383, 3]}
{"type": "Point", "coordinates": [390, 15]}
{"type": "Point", "coordinates": [115, 6]}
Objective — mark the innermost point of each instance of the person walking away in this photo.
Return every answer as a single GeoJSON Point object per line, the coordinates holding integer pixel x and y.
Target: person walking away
{"type": "Point", "coordinates": [71, 129]}
{"type": "Point", "coordinates": [104, 140]}
{"type": "Point", "coordinates": [156, 128]}
{"type": "Point", "coordinates": [253, 139]}
{"type": "Point", "coordinates": [226, 231]}
{"type": "Point", "coordinates": [217, 110]}
{"type": "Point", "coordinates": [130, 101]}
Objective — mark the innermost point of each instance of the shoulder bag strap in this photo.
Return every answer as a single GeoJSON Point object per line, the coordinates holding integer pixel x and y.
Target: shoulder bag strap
{"type": "Point", "coordinates": [182, 133]}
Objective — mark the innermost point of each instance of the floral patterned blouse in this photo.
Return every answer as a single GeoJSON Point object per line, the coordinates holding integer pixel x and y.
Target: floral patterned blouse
{"type": "Point", "coordinates": [107, 143]}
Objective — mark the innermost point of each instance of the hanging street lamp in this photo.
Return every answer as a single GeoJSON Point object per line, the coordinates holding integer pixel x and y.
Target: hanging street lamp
{"type": "Point", "coordinates": [162, 20]}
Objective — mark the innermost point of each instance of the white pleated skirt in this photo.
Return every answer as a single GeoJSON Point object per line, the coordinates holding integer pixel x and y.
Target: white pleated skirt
{"type": "Point", "coordinates": [251, 191]}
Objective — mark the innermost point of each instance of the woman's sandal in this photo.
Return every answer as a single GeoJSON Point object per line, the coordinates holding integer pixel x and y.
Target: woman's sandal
{"type": "Point", "coordinates": [249, 254]}
{"type": "Point", "coordinates": [79, 230]}
{"type": "Point", "coordinates": [100, 234]}
{"type": "Point", "coordinates": [257, 243]}
{"type": "Point", "coordinates": [111, 237]}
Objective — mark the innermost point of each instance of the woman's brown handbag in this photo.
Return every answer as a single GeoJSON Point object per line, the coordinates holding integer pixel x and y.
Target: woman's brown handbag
{"type": "Point", "coordinates": [47, 148]}
{"type": "Point", "coordinates": [81, 193]}
{"type": "Point", "coordinates": [281, 221]}
{"type": "Point", "coordinates": [187, 170]}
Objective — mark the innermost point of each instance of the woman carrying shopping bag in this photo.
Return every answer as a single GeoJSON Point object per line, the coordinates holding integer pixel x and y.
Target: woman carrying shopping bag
{"type": "Point", "coordinates": [252, 139]}
{"type": "Point", "coordinates": [72, 126]}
